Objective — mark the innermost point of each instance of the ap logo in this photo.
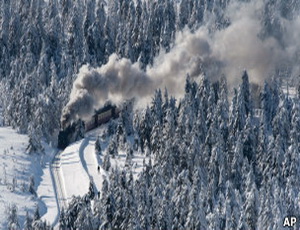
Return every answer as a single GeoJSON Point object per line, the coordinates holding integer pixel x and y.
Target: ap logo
{"type": "Point", "coordinates": [289, 221]}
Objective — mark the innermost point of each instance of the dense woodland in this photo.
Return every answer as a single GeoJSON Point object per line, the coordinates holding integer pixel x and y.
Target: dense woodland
{"type": "Point", "coordinates": [43, 44]}
{"type": "Point", "coordinates": [218, 163]}
{"type": "Point", "coordinates": [215, 164]}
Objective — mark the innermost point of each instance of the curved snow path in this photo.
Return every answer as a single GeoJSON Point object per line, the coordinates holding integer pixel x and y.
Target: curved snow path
{"type": "Point", "coordinates": [90, 163]}
{"type": "Point", "coordinates": [83, 146]}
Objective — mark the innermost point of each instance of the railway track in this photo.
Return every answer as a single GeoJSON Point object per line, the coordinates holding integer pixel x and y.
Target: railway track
{"type": "Point", "coordinates": [59, 187]}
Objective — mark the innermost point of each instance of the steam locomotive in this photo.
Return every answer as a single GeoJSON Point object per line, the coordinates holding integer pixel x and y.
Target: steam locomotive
{"type": "Point", "coordinates": [76, 130]}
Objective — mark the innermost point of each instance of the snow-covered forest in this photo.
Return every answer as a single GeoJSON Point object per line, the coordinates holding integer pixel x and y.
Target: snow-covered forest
{"type": "Point", "coordinates": [224, 153]}
{"type": "Point", "coordinates": [216, 164]}
{"type": "Point", "coordinates": [43, 45]}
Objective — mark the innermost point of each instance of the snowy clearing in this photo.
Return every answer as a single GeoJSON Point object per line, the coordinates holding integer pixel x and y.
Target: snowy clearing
{"type": "Point", "coordinates": [16, 169]}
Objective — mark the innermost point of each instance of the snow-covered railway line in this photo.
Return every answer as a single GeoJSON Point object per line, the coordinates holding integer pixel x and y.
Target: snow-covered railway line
{"type": "Point", "coordinates": [57, 181]}
{"type": "Point", "coordinates": [74, 179]}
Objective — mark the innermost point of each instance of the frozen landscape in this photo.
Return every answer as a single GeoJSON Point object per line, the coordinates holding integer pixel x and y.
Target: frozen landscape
{"type": "Point", "coordinates": [76, 166]}
{"type": "Point", "coordinates": [135, 114]}
{"type": "Point", "coordinates": [16, 169]}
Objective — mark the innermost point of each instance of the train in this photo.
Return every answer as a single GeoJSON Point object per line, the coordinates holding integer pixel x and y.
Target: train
{"type": "Point", "coordinates": [74, 132]}
{"type": "Point", "coordinates": [102, 116]}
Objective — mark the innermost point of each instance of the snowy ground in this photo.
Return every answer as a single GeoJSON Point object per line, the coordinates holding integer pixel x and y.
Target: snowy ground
{"type": "Point", "coordinates": [46, 191]}
{"type": "Point", "coordinates": [90, 163]}
{"type": "Point", "coordinates": [74, 177]}
{"type": "Point", "coordinates": [119, 161]}
{"type": "Point", "coordinates": [16, 164]}
{"type": "Point", "coordinates": [78, 165]}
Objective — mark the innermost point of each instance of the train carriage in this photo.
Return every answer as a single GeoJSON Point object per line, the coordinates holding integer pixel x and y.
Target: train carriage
{"type": "Point", "coordinates": [100, 117]}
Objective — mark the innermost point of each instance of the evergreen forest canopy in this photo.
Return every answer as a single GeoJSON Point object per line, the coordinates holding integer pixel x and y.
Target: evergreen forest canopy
{"type": "Point", "coordinates": [216, 164]}
{"type": "Point", "coordinates": [44, 43]}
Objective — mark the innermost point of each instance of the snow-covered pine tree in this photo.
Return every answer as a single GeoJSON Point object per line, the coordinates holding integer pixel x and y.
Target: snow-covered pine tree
{"type": "Point", "coordinates": [145, 128]}
{"type": "Point", "coordinates": [196, 217]}
{"type": "Point", "coordinates": [156, 139]}
{"type": "Point", "coordinates": [91, 192]}
{"type": "Point", "coordinates": [106, 162]}
{"type": "Point", "coordinates": [84, 219]}
{"type": "Point", "coordinates": [251, 205]}
{"type": "Point", "coordinates": [12, 219]}
{"type": "Point", "coordinates": [126, 116]}
{"type": "Point", "coordinates": [36, 215]}
{"type": "Point", "coordinates": [28, 222]}
{"type": "Point", "coordinates": [112, 149]}
{"type": "Point", "coordinates": [129, 155]}
{"type": "Point", "coordinates": [62, 221]}
{"type": "Point", "coordinates": [98, 149]}
{"type": "Point", "coordinates": [31, 187]}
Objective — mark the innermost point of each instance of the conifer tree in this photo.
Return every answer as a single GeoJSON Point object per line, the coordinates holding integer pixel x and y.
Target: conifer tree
{"type": "Point", "coordinates": [28, 222]}
{"type": "Point", "coordinates": [36, 215]}
{"type": "Point", "coordinates": [98, 149]}
{"type": "Point", "coordinates": [12, 221]}
{"type": "Point", "coordinates": [106, 162]}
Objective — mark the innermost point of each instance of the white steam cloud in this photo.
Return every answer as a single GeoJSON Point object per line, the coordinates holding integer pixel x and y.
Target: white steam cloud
{"type": "Point", "coordinates": [228, 51]}
{"type": "Point", "coordinates": [119, 79]}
